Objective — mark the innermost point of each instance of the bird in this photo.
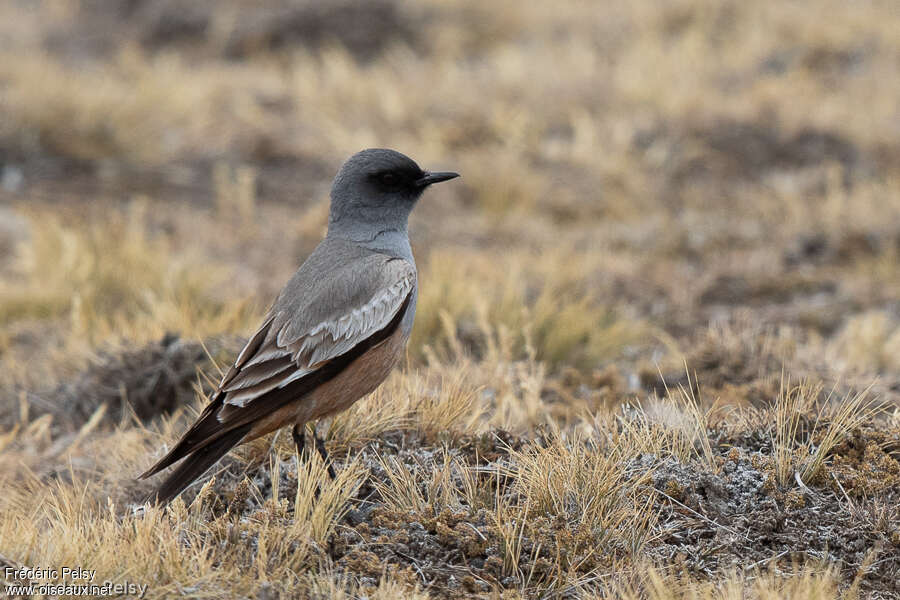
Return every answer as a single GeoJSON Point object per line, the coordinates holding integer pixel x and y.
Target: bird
{"type": "Point", "coordinates": [335, 331]}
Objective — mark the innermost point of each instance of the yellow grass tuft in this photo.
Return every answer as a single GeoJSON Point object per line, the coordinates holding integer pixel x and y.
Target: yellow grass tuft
{"type": "Point", "coordinates": [844, 417]}
{"type": "Point", "coordinates": [113, 280]}
{"type": "Point", "coordinates": [541, 297]}
{"type": "Point", "coordinates": [811, 583]}
{"type": "Point", "coordinates": [791, 406]}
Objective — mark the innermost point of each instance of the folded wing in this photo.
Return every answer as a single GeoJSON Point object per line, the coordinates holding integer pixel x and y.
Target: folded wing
{"type": "Point", "coordinates": [295, 340]}
{"type": "Point", "coordinates": [322, 320]}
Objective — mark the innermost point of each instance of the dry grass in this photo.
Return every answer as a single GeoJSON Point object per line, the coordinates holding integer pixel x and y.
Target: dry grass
{"type": "Point", "coordinates": [540, 302]}
{"type": "Point", "coordinates": [850, 414]}
{"type": "Point", "coordinates": [809, 583]}
{"type": "Point", "coordinates": [655, 347]}
{"type": "Point", "coordinates": [790, 407]}
{"type": "Point", "coordinates": [801, 446]}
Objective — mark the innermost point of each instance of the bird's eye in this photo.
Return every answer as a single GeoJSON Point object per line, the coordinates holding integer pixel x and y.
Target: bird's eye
{"type": "Point", "coordinates": [389, 179]}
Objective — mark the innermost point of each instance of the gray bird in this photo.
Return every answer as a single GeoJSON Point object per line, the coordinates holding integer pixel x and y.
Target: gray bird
{"type": "Point", "coordinates": [336, 330]}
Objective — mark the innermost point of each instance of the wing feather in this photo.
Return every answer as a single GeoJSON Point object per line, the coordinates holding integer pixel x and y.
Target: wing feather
{"type": "Point", "coordinates": [258, 373]}
{"type": "Point", "coordinates": [290, 345]}
{"type": "Point", "coordinates": [342, 302]}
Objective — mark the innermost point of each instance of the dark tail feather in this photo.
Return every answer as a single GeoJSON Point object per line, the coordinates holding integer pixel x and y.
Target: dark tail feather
{"type": "Point", "coordinates": [194, 465]}
{"type": "Point", "coordinates": [205, 430]}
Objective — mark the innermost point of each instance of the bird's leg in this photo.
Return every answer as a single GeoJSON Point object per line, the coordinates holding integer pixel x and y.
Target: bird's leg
{"type": "Point", "coordinates": [323, 452]}
{"type": "Point", "coordinates": [299, 438]}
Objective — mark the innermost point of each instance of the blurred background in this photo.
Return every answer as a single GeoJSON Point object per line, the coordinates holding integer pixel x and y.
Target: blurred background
{"type": "Point", "coordinates": [641, 180]}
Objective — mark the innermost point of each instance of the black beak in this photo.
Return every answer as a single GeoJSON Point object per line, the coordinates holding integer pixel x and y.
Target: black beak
{"type": "Point", "coordinates": [430, 178]}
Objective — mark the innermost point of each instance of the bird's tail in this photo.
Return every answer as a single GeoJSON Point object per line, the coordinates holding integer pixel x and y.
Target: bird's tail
{"type": "Point", "coordinates": [206, 429]}
{"type": "Point", "coordinates": [195, 464]}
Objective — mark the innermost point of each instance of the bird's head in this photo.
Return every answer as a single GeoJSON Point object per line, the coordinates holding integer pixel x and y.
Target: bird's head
{"type": "Point", "coordinates": [378, 188]}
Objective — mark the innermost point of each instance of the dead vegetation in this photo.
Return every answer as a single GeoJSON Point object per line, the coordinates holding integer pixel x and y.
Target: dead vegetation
{"type": "Point", "coordinates": [655, 353]}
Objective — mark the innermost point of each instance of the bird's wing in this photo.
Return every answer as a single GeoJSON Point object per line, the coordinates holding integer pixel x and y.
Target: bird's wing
{"type": "Point", "coordinates": [304, 332]}
{"type": "Point", "coordinates": [340, 302]}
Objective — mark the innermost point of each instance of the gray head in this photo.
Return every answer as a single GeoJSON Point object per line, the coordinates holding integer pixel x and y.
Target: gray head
{"type": "Point", "coordinates": [374, 191]}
